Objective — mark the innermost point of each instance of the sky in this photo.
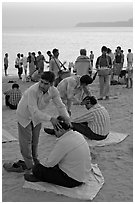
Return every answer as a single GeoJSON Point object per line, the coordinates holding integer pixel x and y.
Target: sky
{"type": "Point", "coordinates": [63, 13]}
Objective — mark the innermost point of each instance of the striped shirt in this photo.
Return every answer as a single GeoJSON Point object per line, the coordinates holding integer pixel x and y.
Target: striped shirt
{"type": "Point", "coordinates": [14, 96]}
{"type": "Point", "coordinates": [98, 119]}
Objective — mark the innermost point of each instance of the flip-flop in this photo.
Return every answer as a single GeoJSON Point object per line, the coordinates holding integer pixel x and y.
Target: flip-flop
{"type": "Point", "coordinates": [13, 167]}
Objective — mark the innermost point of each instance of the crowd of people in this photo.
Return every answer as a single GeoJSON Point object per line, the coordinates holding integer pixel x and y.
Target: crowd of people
{"type": "Point", "coordinates": [69, 163]}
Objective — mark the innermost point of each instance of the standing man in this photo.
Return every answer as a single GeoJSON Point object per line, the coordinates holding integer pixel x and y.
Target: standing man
{"type": "Point", "coordinates": [91, 58]}
{"type": "Point", "coordinates": [129, 58]}
{"type": "Point", "coordinates": [40, 62]}
{"type": "Point", "coordinates": [24, 63]}
{"type": "Point", "coordinates": [6, 63]}
{"type": "Point", "coordinates": [31, 113]}
{"type": "Point", "coordinates": [103, 65]}
{"type": "Point", "coordinates": [18, 65]}
{"type": "Point", "coordinates": [54, 65]}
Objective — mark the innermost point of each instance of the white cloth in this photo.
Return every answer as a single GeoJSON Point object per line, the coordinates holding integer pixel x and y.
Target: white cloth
{"type": "Point", "coordinates": [84, 192]}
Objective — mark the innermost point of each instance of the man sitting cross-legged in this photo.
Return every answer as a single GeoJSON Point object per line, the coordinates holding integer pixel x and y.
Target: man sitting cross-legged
{"type": "Point", "coordinates": [69, 163]}
{"type": "Point", "coordinates": [95, 124]}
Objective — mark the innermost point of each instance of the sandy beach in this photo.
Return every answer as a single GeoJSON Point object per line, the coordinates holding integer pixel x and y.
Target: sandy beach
{"type": "Point", "coordinates": [114, 161]}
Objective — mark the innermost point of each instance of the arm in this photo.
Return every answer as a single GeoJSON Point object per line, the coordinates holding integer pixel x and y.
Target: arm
{"type": "Point", "coordinates": [97, 63]}
{"type": "Point", "coordinates": [87, 117]}
{"type": "Point", "coordinates": [51, 67]}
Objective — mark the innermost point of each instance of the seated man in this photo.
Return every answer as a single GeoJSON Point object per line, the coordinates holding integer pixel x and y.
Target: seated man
{"type": "Point", "coordinates": [95, 124]}
{"type": "Point", "coordinates": [72, 86]}
{"type": "Point", "coordinates": [69, 163]}
{"type": "Point", "coordinates": [13, 96]}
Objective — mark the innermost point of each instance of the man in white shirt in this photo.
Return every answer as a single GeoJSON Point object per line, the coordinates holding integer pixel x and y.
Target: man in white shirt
{"type": "Point", "coordinates": [129, 58]}
{"type": "Point", "coordinates": [31, 113]}
{"type": "Point", "coordinates": [68, 164]}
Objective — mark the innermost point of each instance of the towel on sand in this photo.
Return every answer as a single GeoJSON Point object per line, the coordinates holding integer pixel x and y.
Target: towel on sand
{"type": "Point", "coordinates": [7, 137]}
{"type": "Point", "coordinates": [84, 192]}
{"type": "Point", "coordinates": [112, 138]}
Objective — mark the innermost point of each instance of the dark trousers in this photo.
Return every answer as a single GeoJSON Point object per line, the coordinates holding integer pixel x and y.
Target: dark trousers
{"type": "Point", "coordinates": [54, 175]}
{"type": "Point", "coordinates": [86, 131]}
{"type": "Point", "coordinates": [8, 104]}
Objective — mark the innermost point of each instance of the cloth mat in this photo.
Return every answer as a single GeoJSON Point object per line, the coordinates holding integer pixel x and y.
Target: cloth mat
{"type": "Point", "coordinates": [112, 138]}
{"type": "Point", "coordinates": [7, 137]}
{"type": "Point", "coordinates": [85, 192]}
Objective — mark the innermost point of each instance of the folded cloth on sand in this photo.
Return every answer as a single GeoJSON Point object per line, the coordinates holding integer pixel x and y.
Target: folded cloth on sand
{"type": "Point", "coordinates": [86, 191]}
{"type": "Point", "coordinates": [112, 138]}
{"type": "Point", "coordinates": [19, 166]}
{"type": "Point", "coordinates": [7, 137]}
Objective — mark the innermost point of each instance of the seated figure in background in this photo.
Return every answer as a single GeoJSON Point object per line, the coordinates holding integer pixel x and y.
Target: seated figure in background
{"type": "Point", "coordinates": [95, 124]}
{"type": "Point", "coordinates": [69, 163]}
{"type": "Point", "coordinates": [13, 96]}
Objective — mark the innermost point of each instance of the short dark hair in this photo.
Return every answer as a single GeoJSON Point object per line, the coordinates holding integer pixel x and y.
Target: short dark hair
{"type": "Point", "coordinates": [15, 86]}
{"type": "Point", "coordinates": [129, 50]}
{"type": "Point", "coordinates": [63, 123]}
{"type": "Point", "coordinates": [83, 51]}
{"type": "Point", "coordinates": [39, 52]}
{"type": "Point", "coordinates": [104, 49]}
{"type": "Point", "coordinates": [55, 50]}
{"type": "Point", "coordinates": [90, 99]}
{"type": "Point", "coordinates": [86, 79]}
{"type": "Point", "coordinates": [48, 76]}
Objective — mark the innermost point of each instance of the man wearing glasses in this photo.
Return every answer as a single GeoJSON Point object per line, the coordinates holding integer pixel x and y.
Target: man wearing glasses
{"type": "Point", "coordinates": [31, 113]}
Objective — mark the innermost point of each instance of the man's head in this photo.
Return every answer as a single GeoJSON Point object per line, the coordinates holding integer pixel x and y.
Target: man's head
{"type": "Point", "coordinates": [129, 50]}
{"type": "Point", "coordinates": [65, 126]}
{"type": "Point", "coordinates": [89, 101]}
{"type": "Point", "coordinates": [15, 86]}
{"type": "Point", "coordinates": [104, 49]}
{"type": "Point", "coordinates": [39, 52]}
{"type": "Point", "coordinates": [55, 52]}
{"type": "Point", "coordinates": [47, 79]}
{"type": "Point", "coordinates": [85, 80]}
{"type": "Point", "coordinates": [83, 52]}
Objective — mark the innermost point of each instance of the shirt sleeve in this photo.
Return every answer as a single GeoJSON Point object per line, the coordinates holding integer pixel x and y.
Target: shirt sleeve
{"type": "Point", "coordinates": [34, 110]}
{"type": "Point", "coordinates": [51, 65]}
{"type": "Point", "coordinates": [97, 62]}
{"type": "Point", "coordinates": [70, 90]}
{"type": "Point", "coordinates": [58, 102]}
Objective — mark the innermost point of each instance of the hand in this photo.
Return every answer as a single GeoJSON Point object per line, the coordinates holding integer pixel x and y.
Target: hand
{"type": "Point", "coordinates": [55, 122]}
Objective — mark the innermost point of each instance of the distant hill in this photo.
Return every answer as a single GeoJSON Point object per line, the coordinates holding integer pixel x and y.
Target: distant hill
{"type": "Point", "coordinates": [128, 23]}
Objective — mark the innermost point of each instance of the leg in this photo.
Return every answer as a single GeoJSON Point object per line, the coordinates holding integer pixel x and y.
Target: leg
{"type": "Point", "coordinates": [35, 138]}
{"type": "Point", "coordinates": [86, 131]}
{"type": "Point", "coordinates": [7, 100]}
{"type": "Point", "coordinates": [25, 142]}
{"type": "Point", "coordinates": [106, 85]}
{"type": "Point", "coordinates": [101, 85]}
{"type": "Point", "coordinates": [54, 175]}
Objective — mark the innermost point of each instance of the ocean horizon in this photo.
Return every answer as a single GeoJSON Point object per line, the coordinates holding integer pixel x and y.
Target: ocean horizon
{"type": "Point", "coordinates": [69, 41]}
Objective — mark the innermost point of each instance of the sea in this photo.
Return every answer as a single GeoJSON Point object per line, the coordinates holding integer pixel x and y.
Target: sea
{"type": "Point", "coordinates": [69, 41]}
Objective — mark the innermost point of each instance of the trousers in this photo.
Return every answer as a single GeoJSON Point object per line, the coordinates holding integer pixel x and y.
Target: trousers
{"type": "Point", "coordinates": [54, 175]}
{"type": "Point", "coordinates": [28, 141]}
{"type": "Point", "coordinates": [86, 131]}
{"type": "Point", "coordinates": [104, 85]}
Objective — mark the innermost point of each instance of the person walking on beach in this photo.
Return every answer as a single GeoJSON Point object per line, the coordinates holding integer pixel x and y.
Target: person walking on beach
{"type": "Point", "coordinates": [40, 62]}
{"type": "Point", "coordinates": [82, 64]}
{"type": "Point", "coordinates": [6, 63]}
{"type": "Point", "coordinates": [13, 96]}
{"type": "Point", "coordinates": [74, 88]}
{"type": "Point", "coordinates": [24, 63]}
{"type": "Point", "coordinates": [68, 164]}
{"type": "Point", "coordinates": [31, 61]}
{"type": "Point", "coordinates": [103, 65]}
{"type": "Point", "coordinates": [118, 62]}
{"type": "Point", "coordinates": [18, 65]}
{"type": "Point", "coordinates": [129, 58]}
{"type": "Point", "coordinates": [91, 57]}
{"type": "Point", "coordinates": [31, 113]}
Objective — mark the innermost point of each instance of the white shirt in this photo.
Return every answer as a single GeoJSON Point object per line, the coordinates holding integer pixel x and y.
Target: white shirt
{"type": "Point", "coordinates": [72, 154]}
{"type": "Point", "coordinates": [33, 103]}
